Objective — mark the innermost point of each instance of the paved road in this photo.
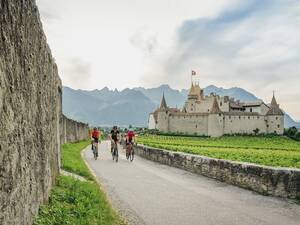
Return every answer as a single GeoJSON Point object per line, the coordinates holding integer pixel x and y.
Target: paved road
{"type": "Point", "coordinates": [147, 193]}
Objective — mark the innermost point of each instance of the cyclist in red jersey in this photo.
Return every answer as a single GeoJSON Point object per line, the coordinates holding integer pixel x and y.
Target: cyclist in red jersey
{"type": "Point", "coordinates": [95, 140]}
{"type": "Point", "coordinates": [130, 138]}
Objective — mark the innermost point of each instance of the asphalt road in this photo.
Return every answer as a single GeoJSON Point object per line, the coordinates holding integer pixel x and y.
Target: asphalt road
{"type": "Point", "coordinates": [148, 193]}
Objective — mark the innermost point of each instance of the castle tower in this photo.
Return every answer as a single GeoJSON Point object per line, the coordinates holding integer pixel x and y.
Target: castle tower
{"type": "Point", "coordinates": [275, 118]}
{"type": "Point", "coordinates": [163, 116]}
{"type": "Point", "coordinates": [163, 104]}
{"type": "Point", "coordinates": [192, 94]}
{"type": "Point", "coordinates": [215, 120]}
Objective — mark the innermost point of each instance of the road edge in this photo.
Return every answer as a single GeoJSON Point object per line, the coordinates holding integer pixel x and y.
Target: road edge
{"type": "Point", "coordinates": [101, 186]}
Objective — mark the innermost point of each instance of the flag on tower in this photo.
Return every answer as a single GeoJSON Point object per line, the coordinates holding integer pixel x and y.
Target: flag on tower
{"type": "Point", "coordinates": [193, 73]}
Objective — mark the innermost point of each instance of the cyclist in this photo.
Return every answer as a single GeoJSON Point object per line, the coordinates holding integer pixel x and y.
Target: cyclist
{"type": "Point", "coordinates": [114, 137]}
{"type": "Point", "coordinates": [130, 139]}
{"type": "Point", "coordinates": [95, 140]}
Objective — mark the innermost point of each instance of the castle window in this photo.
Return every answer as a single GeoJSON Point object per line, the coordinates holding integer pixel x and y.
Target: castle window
{"type": "Point", "coordinates": [249, 117]}
{"type": "Point", "coordinates": [196, 126]}
{"type": "Point", "coordinates": [258, 117]}
{"type": "Point", "coordinates": [276, 118]}
{"type": "Point", "coordinates": [220, 114]}
{"type": "Point", "coordinates": [251, 110]}
{"type": "Point", "coordinates": [239, 117]}
{"type": "Point", "coordinates": [278, 126]}
{"type": "Point", "coordinates": [221, 103]}
{"type": "Point", "coordinates": [268, 126]}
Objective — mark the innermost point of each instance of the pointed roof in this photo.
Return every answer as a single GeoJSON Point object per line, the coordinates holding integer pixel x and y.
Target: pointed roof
{"type": "Point", "coordinates": [163, 104]}
{"type": "Point", "coordinates": [274, 108]}
{"type": "Point", "coordinates": [274, 102]}
{"type": "Point", "coordinates": [215, 107]}
{"type": "Point", "coordinates": [192, 90]}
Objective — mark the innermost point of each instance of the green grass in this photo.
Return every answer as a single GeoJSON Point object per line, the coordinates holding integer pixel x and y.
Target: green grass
{"type": "Point", "coordinates": [74, 202]}
{"type": "Point", "coordinates": [270, 151]}
{"type": "Point", "coordinates": [77, 203]}
{"type": "Point", "coordinates": [72, 161]}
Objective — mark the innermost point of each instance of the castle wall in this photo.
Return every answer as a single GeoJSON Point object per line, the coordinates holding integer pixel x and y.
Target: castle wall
{"type": "Point", "coordinates": [151, 122]}
{"type": "Point", "coordinates": [262, 109]}
{"type": "Point", "coordinates": [275, 124]}
{"type": "Point", "coordinates": [244, 124]}
{"type": "Point", "coordinates": [215, 125]}
{"type": "Point", "coordinates": [191, 124]}
{"type": "Point", "coordinates": [163, 121]}
{"type": "Point", "coordinates": [205, 105]}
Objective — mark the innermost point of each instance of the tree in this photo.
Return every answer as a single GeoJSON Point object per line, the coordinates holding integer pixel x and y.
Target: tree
{"type": "Point", "coordinates": [292, 131]}
{"type": "Point", "coordinates": [256, 131]}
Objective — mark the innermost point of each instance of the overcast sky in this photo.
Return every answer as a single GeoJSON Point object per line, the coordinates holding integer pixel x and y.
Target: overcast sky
{"type": "Point", "coordinates": [253, 44]}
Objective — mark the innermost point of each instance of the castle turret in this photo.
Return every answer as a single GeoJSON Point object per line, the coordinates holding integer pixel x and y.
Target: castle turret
{"type": "Point", "coordinates": [274, 108]}
{"type": "Point", "coordinates": [275, 118]}
{"type": "Point", "coordinates": [215, 107]}
{"type": "Point", "coordinates": [163, 116]}
{"type": "Point", "coordinates": [193, 93]}
{"type": "Point", "coordinates": [215, 120]}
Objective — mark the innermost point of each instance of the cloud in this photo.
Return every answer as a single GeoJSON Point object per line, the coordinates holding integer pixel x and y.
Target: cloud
{"type": "Point", "coordinates": [257, 42]}
{"type": "Point", "coordinates": [77, 73]}
{"type": "Point", "coordinates": [48, 10]}
{"type": "Point", "coordinates": [144, 40]}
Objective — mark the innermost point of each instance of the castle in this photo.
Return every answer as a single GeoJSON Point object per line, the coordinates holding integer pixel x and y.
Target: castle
{"type": "Point", "coordinates": [215, 116]}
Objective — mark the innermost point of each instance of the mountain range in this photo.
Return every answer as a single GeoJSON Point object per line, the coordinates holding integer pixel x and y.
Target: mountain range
{"type": "Point", "coordinates": [107, 107]}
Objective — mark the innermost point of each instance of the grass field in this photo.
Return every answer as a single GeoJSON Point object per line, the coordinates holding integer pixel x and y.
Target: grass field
{"type": "Point", "coordinates": [72, 161]}
{"type": "Point", "coordinates": [74, 202]}
{"type": "Point", "coordinates": [269, 151]}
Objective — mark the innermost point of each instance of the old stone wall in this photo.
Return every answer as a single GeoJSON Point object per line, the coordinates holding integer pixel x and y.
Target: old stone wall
{"type": "Point", "coordinates": [189, 124]}
{"type": "Point", "coordinates": [266, 180]}
{"type": "Point", "coordinates": [240, 123]}
{"type": "Point", "coordinates": [30, 110]}
{"type": "Point", "coordinates": [72, 131]}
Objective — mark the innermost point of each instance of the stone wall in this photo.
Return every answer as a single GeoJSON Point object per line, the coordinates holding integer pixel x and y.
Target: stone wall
{"type": "Point", "coordinates": [30, 110]}
{"type": "Point", "coordinates": [72, 131]}
{"type": "Point", "coordinates": [265, 180]}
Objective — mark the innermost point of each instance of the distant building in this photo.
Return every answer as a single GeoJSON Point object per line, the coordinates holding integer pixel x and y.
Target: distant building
{"type": "Point", "coordinates": [215, 116]}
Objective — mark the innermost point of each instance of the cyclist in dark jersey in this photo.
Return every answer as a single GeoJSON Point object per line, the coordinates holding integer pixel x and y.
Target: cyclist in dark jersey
{"type": "Point", "coordinates": [114, 137]}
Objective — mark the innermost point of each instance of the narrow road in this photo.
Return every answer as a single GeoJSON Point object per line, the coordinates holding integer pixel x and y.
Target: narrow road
{"type": "Point", "coordinates": [147, 193]}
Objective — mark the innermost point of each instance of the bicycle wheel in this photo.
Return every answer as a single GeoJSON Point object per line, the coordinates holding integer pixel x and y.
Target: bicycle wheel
{"type": "Point", "coordinates": [131, 155]}
{"type": "Point", "coordinates": [116, 154]}
{"type": "Point", "coordinates": [127, 153]}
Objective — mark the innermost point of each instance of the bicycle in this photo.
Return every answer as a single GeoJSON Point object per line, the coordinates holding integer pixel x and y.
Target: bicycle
{"type": "Point", "coordinates": [95, 149]}
{"type": "Point", "coordinates": [114, 151]}
{"type": "Point", "coordinates": [130, 152]}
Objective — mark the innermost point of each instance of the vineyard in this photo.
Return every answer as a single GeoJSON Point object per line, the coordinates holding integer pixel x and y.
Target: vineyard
{"type": "Point", "coordinates": [269, 151]}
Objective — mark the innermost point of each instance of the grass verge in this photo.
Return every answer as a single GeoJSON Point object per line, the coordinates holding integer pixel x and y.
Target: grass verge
{"type": "Point", "coordinates": [77, 203]}
{"type": "Point", "coordinates": [74, 202]}
{"type": "Point", "coordinates": [72, 161]}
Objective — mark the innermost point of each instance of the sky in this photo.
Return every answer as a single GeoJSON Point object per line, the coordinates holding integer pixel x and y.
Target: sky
{"type": "Point", "coordinates": [253, 44]}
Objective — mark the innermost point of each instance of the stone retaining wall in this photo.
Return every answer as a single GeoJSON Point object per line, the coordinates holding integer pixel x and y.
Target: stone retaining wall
{"type": "Point", "coordinates": [30, 112]}
{"type": "Point", "coordinates": [31, 123]}
{"type": "Point", "coordinates": [72, 131]}
{"type": "Point", "coordinates": [278, 182]}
